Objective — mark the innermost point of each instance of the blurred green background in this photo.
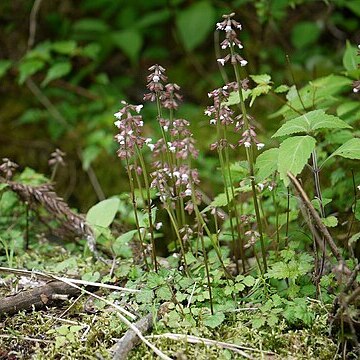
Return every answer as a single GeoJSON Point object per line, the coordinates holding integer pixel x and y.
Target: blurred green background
{"type": "Point", "coordinates": [65, 65]}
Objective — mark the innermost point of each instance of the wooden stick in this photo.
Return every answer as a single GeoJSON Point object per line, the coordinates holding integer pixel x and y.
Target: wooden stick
{"type": "Point", "coordinates": [321, 227]}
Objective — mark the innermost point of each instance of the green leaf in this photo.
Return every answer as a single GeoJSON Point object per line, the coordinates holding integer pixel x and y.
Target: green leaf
{"type": "Point", "coordinates": [249, 280]}
{"type": "Point", "coordinates": [90, 26]}
{"type": "Point", "coordinates": [121, 244]}
{"type": "Point", "coordinates": [266, 164]}
{"type": "Point", "coordinates": [317, 93]}
{"type": "Point", "coordinates": [64, 47]}
{"type": "Point", "coordinates": [89, 154]}
{"type": "Point", "coordinates": [304, 34]}
{"type": "Point", "coordinates": [330, 221]}
{"type": "Point", "coordinates": [293, 155]}
{"type": "Point", "coordinates": [56, 71]}
{"type": "Point", "coordinates": [213, 321]}
{"type": "Point", "coordinates": [28, 68]}
{"type": "Point", "coordinates": [4, 67]}
{"type": "Point", "coordinates": [281, 89]}
{"type": "Point", "coordinates": [258, 322]}
{"type": "Point", "coordinates": [234, 97]}
{"type": "Point", "coordinates": [350, 59]}
{"type": "Point", "coordinates": [164, 293]}
{"type": "Point", "coordinates": [145, 296]}
{"type": "Point", "coordinates": [221, 200]}
{"type": "Point", "coordinates": [195, 23]}
{"type": "Point", "coordinates": [103, 213]}
{"type": "Point", "coordinates": [350, 150]}
{"type": "Point", "coordinates": [129, 41]}
{"type": "Point", "coordinates": [263, 79]}
{"type": "Point", "coordinates": [354, 239]}
{"type": "Point", "coordinates": [310, 122]}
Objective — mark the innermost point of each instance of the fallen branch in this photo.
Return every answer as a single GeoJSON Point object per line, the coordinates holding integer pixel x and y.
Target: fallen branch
{"type": "Point", "coordinates": [319, 224]}
{"type": "Point", "coordinates": [37, 298]}
{"type": "Point", "coordinates": [130, 339]}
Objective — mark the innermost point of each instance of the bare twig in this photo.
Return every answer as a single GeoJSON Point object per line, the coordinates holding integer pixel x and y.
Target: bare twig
{"type": "Point", "coordinates": [198, 340]}
{"type": "Point", "coordinates": [321, 227]}
{"type": "Point", "coordinates": [32, 25]}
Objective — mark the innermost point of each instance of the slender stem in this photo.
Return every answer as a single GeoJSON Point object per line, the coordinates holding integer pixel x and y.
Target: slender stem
{"type": "Point", "coordinates": [250, 160]}
{"type": "Point", "coordinates": [133, 199]}
{"type": "Point", "coordinates": [207, 271]}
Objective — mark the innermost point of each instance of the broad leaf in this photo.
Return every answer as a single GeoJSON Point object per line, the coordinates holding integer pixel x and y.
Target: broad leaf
{"type": "Point", "coordinates": [310, 122]}
{"type": "Point", "coordinates": [57, 71]}
{"type": "Point", "coordinates": [330, 221]}
{"type": "Point", "coordinates": [129, 41]}
{"type": "Point", "coordinates": [215, 320]}
{"type": "Point", "coordinates": [317, 93]}
{"type": "Point", "coordinates": [195, 23]}
{"type": "Point", "coordinates": [350, 150]}
{"type": "Point", "coordinates": [103, 213]}
{"type": "Point", "coordinates": [28, 68]}
{"type": "Point", "coordinates": [4, 67]}
{"type": "Point", "coordinates": [350, 59]}
{"type": "Point", "coordinates": [266, 164]}
{"type": "Point", "coordinates": [121, 244]}
{"type": "Point", "coordinates": [64, 47]}
{"type": "Point", "coordinates": [234, 97]}
{"type": "Point", "coordinates": [293, 155]}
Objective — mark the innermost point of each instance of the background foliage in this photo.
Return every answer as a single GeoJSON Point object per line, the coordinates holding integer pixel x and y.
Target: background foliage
{"type": "Point", "coordinates": [61, 84]}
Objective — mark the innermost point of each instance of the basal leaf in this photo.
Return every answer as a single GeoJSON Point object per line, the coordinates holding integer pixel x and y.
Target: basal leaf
{"type": "Point", "coordinates": [294, 154]}
{"type": "Point", "coordinates": [311, 121]}
{"type": "Point", "coordinates": [266, 164]}
{"type": "Point", "coordinates": [57, 71]}
{"type": "Point", "coordinates": [215, 320]}
{"type": "Point", "coordinates": [194, 24]}
{"type": "Point", "coordinates": [103, 213]}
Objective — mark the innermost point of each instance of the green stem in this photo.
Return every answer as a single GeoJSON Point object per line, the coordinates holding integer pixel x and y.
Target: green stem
{"type": "Point", "coordinates": [250, 160]}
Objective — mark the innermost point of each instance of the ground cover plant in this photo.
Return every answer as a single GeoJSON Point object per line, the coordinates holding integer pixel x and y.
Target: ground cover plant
{"type": "Point", "coordinates": [266, 266]}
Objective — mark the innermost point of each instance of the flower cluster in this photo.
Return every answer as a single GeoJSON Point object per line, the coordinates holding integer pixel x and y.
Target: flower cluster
{"type": "Point", "coordinates": [57, 158]}
{"type": "Point", "coordinates": [8, 167]}
{"type": "Point", "coordinates": [130, 125]}
{"type": "Point", "coordinates": [231, 41]}
{"type": "Point", "coordinates": [248, 136]}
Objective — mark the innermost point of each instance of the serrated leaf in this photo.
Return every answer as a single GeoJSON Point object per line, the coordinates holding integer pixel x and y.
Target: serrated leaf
{"type": "Point", "coordinates": [234, 97]}
{"type": "Point", "coordinates": [4, 67]}
{"type": "Point", "coordinates": [213, 321]}
{"type": "Point", "coordinates": [195, 23]}
{"type": "Point", "coordinates": [262, 79]}
{"type": "Point", "coordinates": [164, 293]}
{"type": "Point", "coordinates": [28, 68]}
{"type": "Point", "coordinates": [129, 41]}
{"type": "Point", "coordinates": [281, 89]}
{"type": "Point", "coordinates": [330, 221]}
{"type": "Point", "coordinates": [266, 164]}
{"type": "Point", "coordinates": [103, 213]}
{"type": "Point", "coordinates": [57, 71]}
{"type": "Point", "coordinates": [249, 280]}
{"type": "Point", "coordinates": [311, 121]}
{"type": "Point", "coordinates": [350, 59]}
{"type": "Point", "coordinates": [145, 296]}
{"type": "Point", "coordinates": [354, 238]}
{"type": "Point", "coordinates": [350, 150]}
{"type": "Point", "coordinates": [293, 155]}
{"type": "Point", "coordinates": [221, 200]}
{"type": "Point", "coordinates": [316, 93]}
{"type": "Point", "coordinates": [258, 322]}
